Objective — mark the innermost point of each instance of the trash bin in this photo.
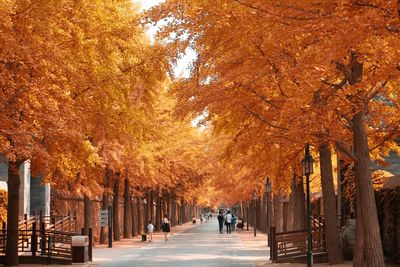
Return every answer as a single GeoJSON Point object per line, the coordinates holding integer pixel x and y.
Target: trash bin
{"type": "Point", "coordinates": [80, 249]}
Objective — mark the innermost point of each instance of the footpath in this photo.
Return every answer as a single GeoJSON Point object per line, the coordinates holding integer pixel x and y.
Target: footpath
{"type": "Point", "coordinates": [199, 245]}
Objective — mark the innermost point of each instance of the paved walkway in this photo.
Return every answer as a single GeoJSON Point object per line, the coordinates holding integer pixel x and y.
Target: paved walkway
{"type": "Point", "coordinates": [199, 245]}
{"type": "Point", "coordinates": [192, 245]}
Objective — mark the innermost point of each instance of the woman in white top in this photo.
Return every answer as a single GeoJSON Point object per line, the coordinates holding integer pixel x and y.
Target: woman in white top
{"type": "Point", "coordinates": [166, 227]}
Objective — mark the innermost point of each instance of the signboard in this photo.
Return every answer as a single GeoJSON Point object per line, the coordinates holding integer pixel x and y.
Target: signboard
{"type": "Point", "coordinates": [103, 214]}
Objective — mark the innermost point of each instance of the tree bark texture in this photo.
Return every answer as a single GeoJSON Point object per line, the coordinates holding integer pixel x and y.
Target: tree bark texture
{"type": "Point", "coordinates": [285, 215]}
{"type": "Point", "coordinates": [299, 214]}
{"type": "Point", "coordinates": [13, 185]}
{"type": "Point", "coordinates": [127, 210]}
{"type": "Point", "coordinates": [329, 203]}
{"type": "Point", "coordinates": [173, 212]}
{"type": "Point", "coordinates": [362, 166]}
{"type": "Point", "coordinates": [163, 209]}
{"type": "Point", "coordinates": [278, 212]}
{"type": "Point", "coordinates": [259, 215]}
{"type": "Point", "coordinates": [116, 210]}
{"type": "Point", "coordinates": [158, 213]}
{"type": "Point", "coordinates": [359, 246]}
{"type": "Point", "coordinates": [147, 211]}
{"type": "Point", "coordinates": [292, 203]}
{"type": "Point", "coordinates": [168, 202]}
{"type": "Point", "coordinates": [88, 214]}
{"type": "Point", "coordinates": [151, 207]}
{"type": "Point", "coordinates": [139, 216]}
{"type": "Point", "coordinates": [134, 217]}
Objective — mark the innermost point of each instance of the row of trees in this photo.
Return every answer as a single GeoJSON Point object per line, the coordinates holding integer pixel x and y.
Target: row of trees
{"type": "Point", "coordinates": [271, 75]}
{"type": "Point", "coordinates": [83, 96]}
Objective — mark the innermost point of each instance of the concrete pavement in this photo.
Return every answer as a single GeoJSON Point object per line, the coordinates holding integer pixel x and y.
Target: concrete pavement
{"type": "Point", "coordinates": [192, 245]}
{"type": "Point", "coordinates": [198, 245]}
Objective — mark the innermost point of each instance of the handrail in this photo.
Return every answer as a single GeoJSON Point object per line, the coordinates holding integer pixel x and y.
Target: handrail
{"type": "Point", "coordinates": [62, 224]}
{"type": "Point", "coordinates": [289, 245]}
{"type": "Point", "coordinates": [26, 222]}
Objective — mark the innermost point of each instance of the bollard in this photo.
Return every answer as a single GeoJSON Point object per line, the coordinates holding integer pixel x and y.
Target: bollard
{"type": "Point", "coordinates": [90, 244]}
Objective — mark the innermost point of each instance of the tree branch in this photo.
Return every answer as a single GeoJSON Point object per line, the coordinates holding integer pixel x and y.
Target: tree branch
{"type": "Point", "coordinates": [387, 137]}
{"type": "Point", "coordinates": [24, 10]}
{"type": "Point", "coordinates": [343, 149]}
{"type": "Point", "coordinates": [262, 119]}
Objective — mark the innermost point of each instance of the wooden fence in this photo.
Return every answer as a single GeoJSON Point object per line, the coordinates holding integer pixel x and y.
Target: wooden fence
{"type": "Point", "coordinates": [292, 246]}
{"type": "Point", "coordinates": [47, 243]}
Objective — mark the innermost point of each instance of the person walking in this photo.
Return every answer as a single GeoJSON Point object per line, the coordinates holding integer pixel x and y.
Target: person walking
{"type": "Point", "coordinates": [221, 222]}
{"type": "Point", "coordinates": [150, 230]}
{"type": "Point", "coordinates": [228, 221]}
{"type": "Point", "coordinates": [166, 227]}
{"type": "Point", "coordinates": [233, 222]}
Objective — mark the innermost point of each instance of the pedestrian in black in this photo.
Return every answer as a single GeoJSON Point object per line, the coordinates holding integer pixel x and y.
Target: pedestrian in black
{"type": "Point", "coordinates": [221, 220]}
{"type": "Point", "coordinates": [166, 227]}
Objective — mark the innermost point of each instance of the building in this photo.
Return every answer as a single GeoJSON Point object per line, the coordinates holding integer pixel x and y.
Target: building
{"type": "Point", "coordinates": [34, 196]}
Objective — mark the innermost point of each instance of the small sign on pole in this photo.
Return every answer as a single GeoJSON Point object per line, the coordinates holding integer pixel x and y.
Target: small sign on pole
{"type": "Point", "coordinates": [106, 221]}
{"type": "Point", "coordinates": [110, 228]}
{"type": "Point", "coordinates": [103, 214]}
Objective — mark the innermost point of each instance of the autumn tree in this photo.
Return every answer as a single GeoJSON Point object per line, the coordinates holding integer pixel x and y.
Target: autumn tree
{"type": "Point", "coordinates": [267, 61]}
{"type": "Point", "coordinates": [73, 84]}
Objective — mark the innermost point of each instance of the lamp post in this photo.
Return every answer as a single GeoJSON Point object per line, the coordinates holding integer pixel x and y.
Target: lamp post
{"type": "Point", "coordinates": [307, 169]}
{"type": "Point", "coordinates": [267, 197]}
{"type": "Point", "coordinates": [255, 212]}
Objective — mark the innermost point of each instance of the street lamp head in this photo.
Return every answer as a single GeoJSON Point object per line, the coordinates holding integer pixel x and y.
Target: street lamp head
{"type": "Point", "coordinates": [267, 185]}
{"type": "Point", "coordinates": [308, 162]}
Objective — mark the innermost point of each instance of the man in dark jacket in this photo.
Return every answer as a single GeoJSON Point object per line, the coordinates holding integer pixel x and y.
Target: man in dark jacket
{"type": "Point", "coordinates": [221, 222]}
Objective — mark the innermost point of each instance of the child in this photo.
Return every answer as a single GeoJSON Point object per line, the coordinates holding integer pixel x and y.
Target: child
{"type": "Point", "coordinates": [150, 230]}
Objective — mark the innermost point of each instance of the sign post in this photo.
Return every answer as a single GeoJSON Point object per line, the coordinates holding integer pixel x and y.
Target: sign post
{"type": "Point", "coordinates": [110, 218]}
{"type": "Point", "coordinates": [106, 221]}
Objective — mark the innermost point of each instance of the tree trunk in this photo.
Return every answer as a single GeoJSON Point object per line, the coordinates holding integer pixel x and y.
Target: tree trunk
{"type": "Point", "coordinates": [158, 213]}
{"type": "Point", "coordinates": [163, 209]}
{"type": "Point", "coordinates": [139, 216]}
{"type": "Point", "coordinates": [147, 212]}
{"type": "Point", "coordinates": [151, 207]}
{"type": "Point", "coordinates": [173, 213]}
{"type": "Point", "coordinates": [182, 212]}
{"type": "Point", "coordinates": [127, 210]}
{"type": "Point", "coordinates": [134, 217]}
{"type": "Point", "coordinates": [278, 212]}
{"type": "Point", "coordinates": [329, 203]}
{"type": "Point", "coordinates": [292, 203]}
{"type": "Point", "coordinates": [259, 204]}
{"type": "Point", "coordinates": [168, 201]}
{"type": "Point", "coordinates": [299, 214]}
{"type": "Point", "coordinates": [359, 246]}
{"type": "Point", "coordinates": [88, 214]}
{"type": "Point", "coordinates": [116, 229]}
{"type": "Point", "coordinates": [13, 185]}
{"type": "Point", "coordinates": [369, 217]}
{"type": "Point", "coordinates": [104, 204]}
